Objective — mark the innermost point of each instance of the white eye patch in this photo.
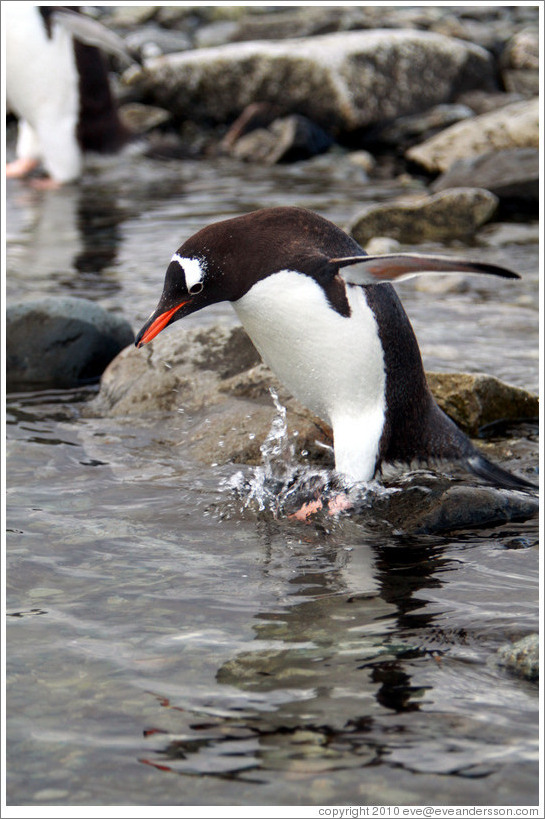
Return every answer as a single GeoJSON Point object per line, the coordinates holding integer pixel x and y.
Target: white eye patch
{"type": "Point", "coordinates": [193, 272]}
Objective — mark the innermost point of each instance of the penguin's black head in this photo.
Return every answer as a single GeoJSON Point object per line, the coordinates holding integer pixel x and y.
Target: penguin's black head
{"type": "Point", "coordinates": [224, 260]}
{"type": "Point", "coordinates": [189, 286]}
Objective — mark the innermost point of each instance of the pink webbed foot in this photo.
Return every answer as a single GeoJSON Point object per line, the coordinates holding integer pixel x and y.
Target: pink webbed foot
{"type": "Point", "coordinates": [20, 168]}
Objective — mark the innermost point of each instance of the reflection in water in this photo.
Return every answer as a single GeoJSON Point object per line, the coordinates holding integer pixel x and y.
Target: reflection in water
{"type": "Point", "coordinates": [75, 237]}
{"type": "Point", "coordinates": [334, 659]}
{"type": "Point", "coordinates": [98, 219]}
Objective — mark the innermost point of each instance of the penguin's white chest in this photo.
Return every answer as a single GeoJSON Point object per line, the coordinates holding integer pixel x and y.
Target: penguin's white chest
{"type": "Point", "coordinates": [331, 363]}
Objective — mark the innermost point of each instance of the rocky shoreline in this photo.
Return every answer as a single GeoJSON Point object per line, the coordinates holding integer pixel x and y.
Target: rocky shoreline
{"type": "Point", "coordinates": [443, 98]}
{"type": "Point", "coordinates": [440, 93]}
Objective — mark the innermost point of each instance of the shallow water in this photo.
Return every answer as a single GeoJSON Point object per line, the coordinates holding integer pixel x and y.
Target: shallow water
{"type": "Point", "coordinates": [167, 646]}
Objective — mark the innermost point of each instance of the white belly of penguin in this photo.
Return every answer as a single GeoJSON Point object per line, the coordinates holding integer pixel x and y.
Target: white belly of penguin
{"type": "Point", "coordinates": [332, 364]}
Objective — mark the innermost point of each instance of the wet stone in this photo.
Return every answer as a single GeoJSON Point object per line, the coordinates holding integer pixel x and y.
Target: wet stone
{"type": "Point", "coordinates": [61, 342]}
{"type": "Point", "coordinates": [462, 507]}
{"type": "Point", "coordinates": [287, 139]}
{"type": "Point", "coordinates": [219, 370]}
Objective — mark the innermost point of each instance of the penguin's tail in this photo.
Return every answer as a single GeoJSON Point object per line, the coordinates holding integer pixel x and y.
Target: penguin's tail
{"type": "Point", "coordinates": [496, 475]}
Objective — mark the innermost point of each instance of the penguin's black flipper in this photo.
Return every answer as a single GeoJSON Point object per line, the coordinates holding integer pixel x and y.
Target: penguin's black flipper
{"type": "Point", "coordinates": [91, 32]}
{"type": "Point", "coordinates": [494, 474]}
{"type": "Point", "coordinates": [390, 267]}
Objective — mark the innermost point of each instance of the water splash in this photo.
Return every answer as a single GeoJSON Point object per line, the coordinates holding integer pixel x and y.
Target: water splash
{"type": "Point", "coordinates": [279, 484]}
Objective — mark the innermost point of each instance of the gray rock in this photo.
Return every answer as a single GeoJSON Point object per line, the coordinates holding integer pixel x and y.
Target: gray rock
{"type": "Point", "coordinates": [128, 16]}
{"type": "Point", "coordinates": [509, 233]}
{"type": "Point", "coordinates": [462, 507]}
{"type": "Point", "coordinates": [520, 63]}
{"type": "Point", "coordinates": [258, 115]}
{"type": "Point", "coordinates": [140, 119]}
{"type": "Point", "coordinates": [216, 34]}
{"type": "Point", "coordinates": [450, 214]}
{"type": "Point", "coordinates": [215, 369]}
{"type": "Point", "coordinates": [340, 81]}
{"type": "Point", "coordinates": [508, 174]}
{"type": "Point", "coordinates": [475, 400]}
{"type": "Point", "coordinates": [513, 126]}
{"type": "Point", "coordinates": [482, 102]}
{"type": "Point", "coordinates": [61, 342]}
{"type": "Point", "coordinates": [521, 81]}
{"type": "Point", "coordinates": [288, 139]}
{"type": "Point", "coordinates": [521, 657]}
{"type": "Point", "coordinates": [407, 129]}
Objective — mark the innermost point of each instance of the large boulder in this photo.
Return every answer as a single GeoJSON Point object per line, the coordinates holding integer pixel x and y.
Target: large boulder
{"type": "Point", "coordinates": [513, 126]}
{"type": "Point", "coordinates": [341, 81]}
{"type": "Point", "coordinates": [218, 370]}
{"type": "Point", "coordinates": [61, 342]}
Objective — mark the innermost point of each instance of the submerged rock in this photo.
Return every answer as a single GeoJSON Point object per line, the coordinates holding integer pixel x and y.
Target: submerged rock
{"type": "Point", "coordinates": [521, 657]}
{"type": "Point", "coordinates": [513, 126]}
{"type": "Point", "coordinates": [61, 342]}
{"type": "Point", "coordinates": [450, 214]}
{"type": "Point", "coordinates": [465, 507]}
{"type": "Point", "coordinates": [341, 81]}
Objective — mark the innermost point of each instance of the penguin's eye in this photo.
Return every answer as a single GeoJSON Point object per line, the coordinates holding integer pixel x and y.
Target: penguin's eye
{"type": "Point", "coordinates": [196, 288]}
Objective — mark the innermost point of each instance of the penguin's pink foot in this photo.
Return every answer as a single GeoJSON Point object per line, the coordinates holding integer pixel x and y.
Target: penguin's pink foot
{"type": "Point", "coordinates": [340, 503]}
{"type": "Point", "coordinates": [45, 183]}
{"type": "Point", "coordinates": [306, 510]}
{"type": "Point", "coordinates": [20, 168]}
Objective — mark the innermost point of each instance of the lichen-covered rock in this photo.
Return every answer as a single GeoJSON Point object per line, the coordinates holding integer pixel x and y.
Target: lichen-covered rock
{"type": "Point", "coordinates": [341, 81]}
{"type": "Point", "coordinates": [61, 342]}
{"type": "Point", "coordinates": [176, 371]}
{"type": "Point", "coordinates": [450, 214]}
{"type": "Point", "coordinates": [475, 400]}
{"type": "Point", "coordinates": [513, 126]}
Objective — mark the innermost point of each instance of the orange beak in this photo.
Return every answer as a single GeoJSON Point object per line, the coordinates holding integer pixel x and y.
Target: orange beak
{"type": "Point", "coordinates": [159, 324]}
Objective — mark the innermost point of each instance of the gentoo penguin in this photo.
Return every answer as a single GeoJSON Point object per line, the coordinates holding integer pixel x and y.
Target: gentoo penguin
{"type": "Point", "coordinates": [57, 86]}
{"type": "Point", "coordinates": [308, 297]}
